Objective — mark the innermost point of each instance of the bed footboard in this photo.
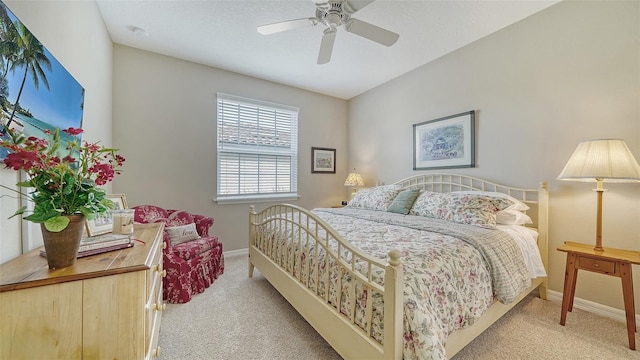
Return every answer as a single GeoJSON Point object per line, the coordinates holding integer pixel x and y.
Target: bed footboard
{"type": "Point", "coordinates": [298, 253]}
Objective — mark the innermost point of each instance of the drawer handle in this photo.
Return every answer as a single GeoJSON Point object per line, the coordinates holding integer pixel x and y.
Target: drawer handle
{"type": "Point", "coordinates": [164, 273]}
{"type": "Point", "coordinates": [159, 307]}
{"type": "Point", "coordinates": [156, 352]}
{"type": "Point", "coordinates": [596, 265]}
{"type": "Point", "coordinates": [158, 268]}
{"type": "Point", "coordinates": [164, 245]}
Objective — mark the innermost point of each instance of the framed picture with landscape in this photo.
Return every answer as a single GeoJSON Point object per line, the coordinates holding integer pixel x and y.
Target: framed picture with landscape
{"type": "Point", "coordinates": [103, 223]}
{"type": "Point", "coordinates": [445, 143]}
{"type": "Point", "coordinates": [323, 160]}
{"type": "Point", "coordinates": [38, 94]}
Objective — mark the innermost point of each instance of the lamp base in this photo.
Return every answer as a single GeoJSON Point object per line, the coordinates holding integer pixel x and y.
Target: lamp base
{"type": "Point", "coordinates": [599, 190]}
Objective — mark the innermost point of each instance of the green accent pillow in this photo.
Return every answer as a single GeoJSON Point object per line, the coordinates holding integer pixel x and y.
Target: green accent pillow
{"type": "Point", "coordinates": [403, 202]}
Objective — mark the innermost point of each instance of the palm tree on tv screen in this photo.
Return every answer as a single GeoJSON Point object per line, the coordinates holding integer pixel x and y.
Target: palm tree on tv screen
{"type": "Point", "coordinates": [8, 51]}
{"type": "Point", "coordinates": [31, 55]}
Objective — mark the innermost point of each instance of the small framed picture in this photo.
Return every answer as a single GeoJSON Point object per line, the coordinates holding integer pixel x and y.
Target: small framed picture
{"type": "Point", "coordinates": [445, 143]}
{"type": "Point", "coordinates": [103, 223]}
{"type": "Point", "coordinates": [323, 160]}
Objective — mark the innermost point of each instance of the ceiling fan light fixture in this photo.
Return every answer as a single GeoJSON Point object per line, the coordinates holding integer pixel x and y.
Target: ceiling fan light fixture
{"type": "Point", "coordinates": [333, 20]}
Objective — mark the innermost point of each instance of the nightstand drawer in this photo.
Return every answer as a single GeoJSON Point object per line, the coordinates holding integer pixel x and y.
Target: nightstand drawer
{"type": "Point", "coordinates": [601, 266]}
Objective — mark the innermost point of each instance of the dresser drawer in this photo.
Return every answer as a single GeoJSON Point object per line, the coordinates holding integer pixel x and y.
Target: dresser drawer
{"type": "Point", "coordinates": [154, 305]}
{"type": "Point", "coordinates": [597, 265]}
{"type": "Point", "coordinates": [155, 316]}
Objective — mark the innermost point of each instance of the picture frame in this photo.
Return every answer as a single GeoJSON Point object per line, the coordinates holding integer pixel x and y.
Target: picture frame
{"type": "Point", "coordinates": [59, 104]}
{"type": "Point", "coordinates": [102, 223]}
{"type": "Point", "coordinates": [445, 143]}
{"type": "Point", "coordinates": [323, 160]}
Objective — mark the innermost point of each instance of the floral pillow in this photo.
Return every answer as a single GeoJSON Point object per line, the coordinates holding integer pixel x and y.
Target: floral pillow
{"type": "Point", "coordinates": [464, 208]}
{"type": "Point", "coordinates": [376, 198]}
{"type": "Point", "coordinates": [515, 203]}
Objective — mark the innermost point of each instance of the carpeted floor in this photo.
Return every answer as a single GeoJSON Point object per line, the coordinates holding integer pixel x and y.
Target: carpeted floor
{"type": "Point", "coordinates": [245, 318]}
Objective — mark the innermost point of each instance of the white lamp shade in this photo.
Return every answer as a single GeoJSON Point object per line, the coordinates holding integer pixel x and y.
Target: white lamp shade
{"type": "Point", "coordinates": [354, 179]}
{"type": "Point", "coordinates": [608, 160]}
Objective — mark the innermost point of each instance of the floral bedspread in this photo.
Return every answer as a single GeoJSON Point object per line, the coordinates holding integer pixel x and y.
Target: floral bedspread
{"type": "Point", "coordinates": [452, 271]}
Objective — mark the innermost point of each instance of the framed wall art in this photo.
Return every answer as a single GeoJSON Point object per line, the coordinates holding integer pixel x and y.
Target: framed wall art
{"type": "Point", "coordinates": [103, 223]}
{"type": "Point", "coordinates": [445, 143]}
{"type": "Point", "coordinates": [323, 160]}
{"type": "Point", "coordinates": [40, 100]}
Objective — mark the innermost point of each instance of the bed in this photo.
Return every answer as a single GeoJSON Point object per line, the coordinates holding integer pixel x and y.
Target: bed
{"type": "Point", "coordinates": [418, 282]}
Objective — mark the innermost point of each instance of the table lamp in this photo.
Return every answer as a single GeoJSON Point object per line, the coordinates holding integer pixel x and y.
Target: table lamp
{"type": "Point", "coordinates": [606, 160]}
{"type": "Point", "coordinates": [354, 179]}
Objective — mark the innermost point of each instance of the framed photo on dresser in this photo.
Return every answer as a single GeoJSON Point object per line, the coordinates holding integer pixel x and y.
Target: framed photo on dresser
{"type": "Point", "coordinates": [102, 223]}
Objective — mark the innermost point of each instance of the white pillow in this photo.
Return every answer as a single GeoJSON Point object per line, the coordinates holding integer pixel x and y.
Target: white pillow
{"type": "Point", "coordinates": [182, 233]}
{"type": "Point", "coordinates": [515, 203]}
{"type": "Point", "coordinates": [512, 217]}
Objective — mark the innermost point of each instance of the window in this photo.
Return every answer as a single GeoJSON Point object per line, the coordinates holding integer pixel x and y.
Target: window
{"type": "Point", "coordinates": [257, 150]}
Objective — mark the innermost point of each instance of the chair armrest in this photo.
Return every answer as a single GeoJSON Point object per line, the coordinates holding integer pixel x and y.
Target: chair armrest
{"type": "Point", "coordinates": [203, 223]}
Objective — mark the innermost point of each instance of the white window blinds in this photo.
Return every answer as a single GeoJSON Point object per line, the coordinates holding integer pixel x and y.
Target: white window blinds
{"type": "Point", "coordinates": [257, 149]}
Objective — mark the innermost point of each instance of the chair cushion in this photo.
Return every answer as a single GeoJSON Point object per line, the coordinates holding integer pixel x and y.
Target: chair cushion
{"type": "Point", "coordinates": [193, 248]}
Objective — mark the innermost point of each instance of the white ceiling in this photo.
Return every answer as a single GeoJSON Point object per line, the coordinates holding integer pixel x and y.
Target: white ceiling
{"type": "Point", "coordinates": [222, 34]}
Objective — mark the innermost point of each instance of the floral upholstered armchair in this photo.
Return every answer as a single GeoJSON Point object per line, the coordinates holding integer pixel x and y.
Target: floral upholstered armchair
{"type": "Point", "coordinates": [192, 258]}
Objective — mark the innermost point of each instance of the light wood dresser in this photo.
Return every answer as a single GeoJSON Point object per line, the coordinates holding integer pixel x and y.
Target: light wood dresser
{"type": "Point", "coordinates": [106, 306]}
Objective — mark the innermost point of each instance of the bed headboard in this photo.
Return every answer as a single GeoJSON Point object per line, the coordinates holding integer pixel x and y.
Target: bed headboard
{"type": "Point", "coordinates": [536, 198]}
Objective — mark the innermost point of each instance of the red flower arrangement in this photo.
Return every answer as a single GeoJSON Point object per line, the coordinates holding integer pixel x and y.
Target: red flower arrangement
{"type": "Point", "coordinates": [65, 181]}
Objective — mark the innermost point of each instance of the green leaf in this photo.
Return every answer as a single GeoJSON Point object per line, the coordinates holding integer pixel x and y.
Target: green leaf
{"type": "Point", "coordinates": [25, 184]}
{"type": "Point", "coordinates": [18, 212]}
{"type": "Point", "coordinates": [42, 212]}
{"type": "Point", "coordinates": [90, 215]}
{"type": "Point", "coordinates": [56, 224]}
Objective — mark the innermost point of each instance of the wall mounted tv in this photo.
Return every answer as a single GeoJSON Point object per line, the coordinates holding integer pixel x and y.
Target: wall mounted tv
{"type": "Point", "coordinates": [36, 92]}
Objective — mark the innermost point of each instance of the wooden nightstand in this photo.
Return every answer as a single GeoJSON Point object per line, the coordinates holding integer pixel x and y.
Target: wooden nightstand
{"type": "Point", "coordinates": [614, 262]}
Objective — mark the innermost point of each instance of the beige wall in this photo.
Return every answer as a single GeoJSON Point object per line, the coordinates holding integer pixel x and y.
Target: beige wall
{"type": "Point", "coordinates": [567, 74]}
{"type": "Point", "coordinates": [164, 117]}
{"type": "Point", "coordinates": [75, 34]}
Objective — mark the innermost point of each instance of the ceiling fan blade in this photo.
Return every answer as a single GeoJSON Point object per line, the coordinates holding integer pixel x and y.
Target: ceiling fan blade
{"type": "Point", "coordinates": [287, 25]}
{"type": "Point", "coordinates": [326, 46]}
{"type": "Point", "coordinates": [356, 5]}
{"type": "Point", "coordinates": [371, 32]}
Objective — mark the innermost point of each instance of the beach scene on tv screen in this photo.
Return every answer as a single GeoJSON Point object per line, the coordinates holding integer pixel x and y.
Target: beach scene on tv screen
{"type": "Point", "coordinates": [36, 92]}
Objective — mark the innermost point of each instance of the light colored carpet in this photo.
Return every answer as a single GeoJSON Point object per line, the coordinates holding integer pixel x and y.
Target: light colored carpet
{"type": "Point", "coordinates": [245, 318]}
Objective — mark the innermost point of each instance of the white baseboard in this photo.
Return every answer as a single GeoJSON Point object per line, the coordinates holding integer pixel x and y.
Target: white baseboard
{"type": "Point", "coordinates": [239, 252]}
{"type": "Point", "coordinates": [592, 307]}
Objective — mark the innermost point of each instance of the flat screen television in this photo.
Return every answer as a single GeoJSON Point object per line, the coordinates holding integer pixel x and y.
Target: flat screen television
{"type": "Point", "coordinates": [36, 92]}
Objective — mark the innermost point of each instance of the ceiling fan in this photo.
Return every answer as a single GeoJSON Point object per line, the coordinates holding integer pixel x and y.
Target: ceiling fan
{"type": "Point", "coordinates": [333, 14]}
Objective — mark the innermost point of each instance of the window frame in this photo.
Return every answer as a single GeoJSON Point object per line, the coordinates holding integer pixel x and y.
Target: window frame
{"type": "Point", "coordinates": [247, 150]}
